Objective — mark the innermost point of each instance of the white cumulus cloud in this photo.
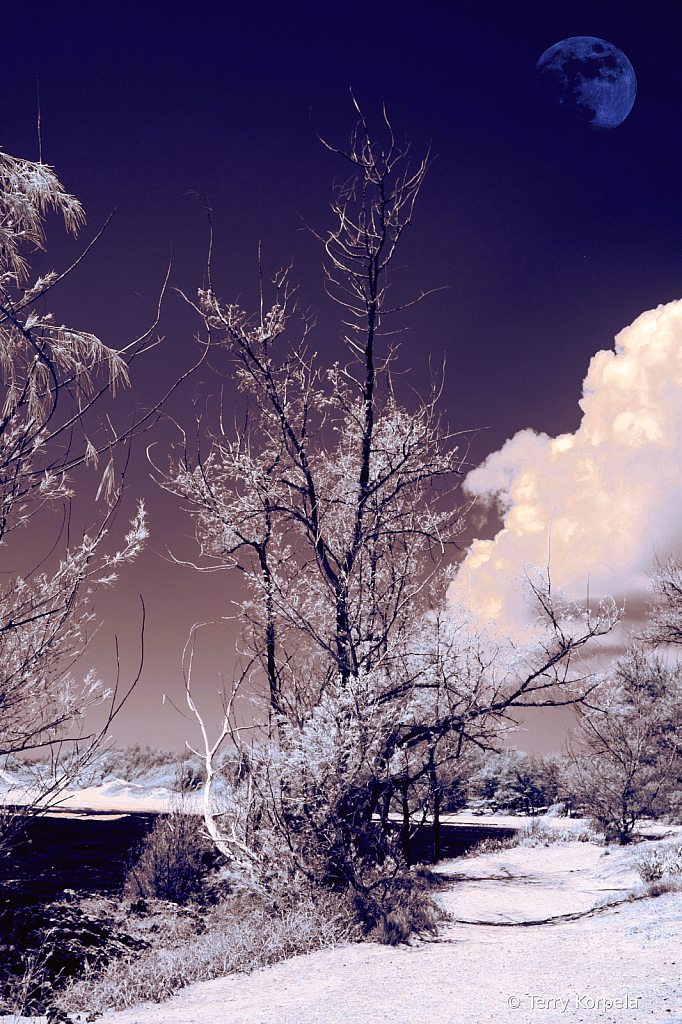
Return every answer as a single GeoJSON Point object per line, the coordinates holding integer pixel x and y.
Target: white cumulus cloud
{"type": "Point", "coordinates": [605, 501]}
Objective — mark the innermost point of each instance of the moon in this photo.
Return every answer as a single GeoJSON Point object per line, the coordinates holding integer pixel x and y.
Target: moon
{"type": "Point", "coordinates": [589, 80]}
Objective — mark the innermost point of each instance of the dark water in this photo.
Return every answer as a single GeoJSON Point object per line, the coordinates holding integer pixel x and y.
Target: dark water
{"type": "Point", "coordinates": [454, 839]}
{"type": "Point", "coordinates": [91, 853]}
{"type": "Point", "coordinates": [59, 852]}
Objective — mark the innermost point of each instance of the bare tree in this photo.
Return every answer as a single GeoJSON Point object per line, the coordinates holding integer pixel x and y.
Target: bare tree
{"type": "Point", "coordinates": [335, 504]}
{"type": "Point", "coordinates": [664, 624]}
{"type": "Point", "coordinates": [272, 502]}
{"type": "Point", "coordinates": [628, 763]}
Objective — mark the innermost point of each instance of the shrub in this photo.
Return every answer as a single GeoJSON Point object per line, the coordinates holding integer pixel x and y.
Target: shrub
{"type": "Point", "coordinates": [627, 766]}
{"type": "Point", "coordinates": [403, 909]}
{"type": "Point", "coordinates": [189, 777]}
{"type": "Point", "coordinates": [173, 861]}
{"type": "Point", "coordinates": [413, 915]}
{"type": "Point", "coordinates": [538, 833]}
{"type": "Point", "coordinates": [662, 862]}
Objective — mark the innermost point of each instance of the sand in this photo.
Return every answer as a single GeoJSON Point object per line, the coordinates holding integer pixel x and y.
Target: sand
{"type": "Point", "coordinates": [619, 964]}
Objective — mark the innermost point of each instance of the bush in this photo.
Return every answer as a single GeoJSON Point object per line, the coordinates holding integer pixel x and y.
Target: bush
{"type": "Point", "coordinates": [173, 862]}
{"type": "Point", "coordinates": [538, 833]}
{"type": "Point", "coordinates": [414, 913]}
{"type": "Point", "coordinates": [513, 782]}
{"type": "Point", "coordinates": [628, 764]}
{"type": "Point", "coordinates": [661, 863]}
{"type": "Point", "coordinates": [615, 794]}
{"type": "Point", "coordinates": [403, 909]}
{"type": "Point", "coordinates": [189, 777]}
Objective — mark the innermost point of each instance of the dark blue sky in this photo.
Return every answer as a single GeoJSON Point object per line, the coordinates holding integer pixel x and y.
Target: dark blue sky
{"type": "Point", "coordinates": [549, 239]}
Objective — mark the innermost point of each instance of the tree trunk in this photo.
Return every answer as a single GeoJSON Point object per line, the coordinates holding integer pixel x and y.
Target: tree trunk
{"type": "Point", "coordinates": [406, 824]}
{"type": "Point", "coordinates": [436, 825]}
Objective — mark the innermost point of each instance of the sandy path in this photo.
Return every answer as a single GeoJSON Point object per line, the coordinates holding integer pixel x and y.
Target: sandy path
{"type": "Point", "coordinates": [622, 964]}
{"type": "Point", "coordinates": [472, 975]}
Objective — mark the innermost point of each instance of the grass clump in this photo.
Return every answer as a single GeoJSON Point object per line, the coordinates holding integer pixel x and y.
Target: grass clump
{"type": "Point", "coordinates": [491, 845]}
{"type": "Point", "coordinates": [660, 868]}
{"type": "Point", "coordinates": [44, 945]}
{"type": "Point", "coordinates": [538, 832]}
{"type": "Point", "coordinates": [411, 910]}
{"type": "Point", "coordinates": [234, 936]}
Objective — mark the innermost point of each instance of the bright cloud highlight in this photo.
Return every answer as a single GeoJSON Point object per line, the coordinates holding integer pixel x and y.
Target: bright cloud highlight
{"type": "Point", "coordinates": [611, 492]}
